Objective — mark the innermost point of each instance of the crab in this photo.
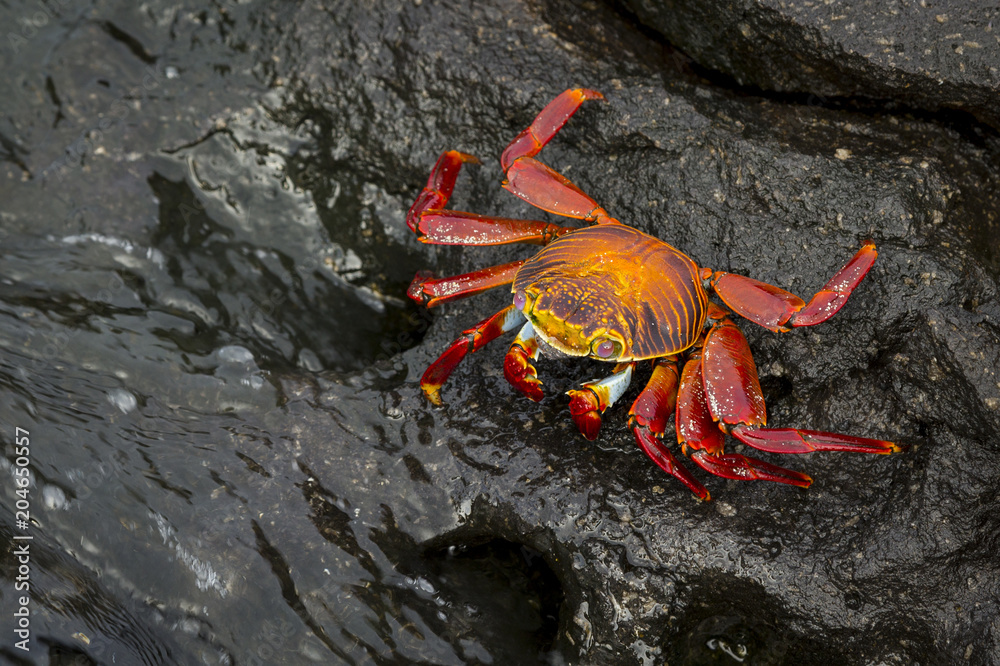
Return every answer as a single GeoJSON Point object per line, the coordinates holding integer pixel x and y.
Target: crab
{"type": "Point", "coordinates": [613, 293]}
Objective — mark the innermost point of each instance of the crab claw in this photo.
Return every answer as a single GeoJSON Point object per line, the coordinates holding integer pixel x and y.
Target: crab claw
{"type": "Point", "coordinates": [517, 367]}
{"type": "Point", "coordinates": [587, 403]}
{"type": "Point", "coordinates": [586, 409]}
{"type": "Point", "coordinates": [521, 374]}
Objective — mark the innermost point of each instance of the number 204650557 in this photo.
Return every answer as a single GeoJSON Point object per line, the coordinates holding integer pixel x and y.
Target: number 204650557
{"type": "Point", "coordinates": [22, 475]}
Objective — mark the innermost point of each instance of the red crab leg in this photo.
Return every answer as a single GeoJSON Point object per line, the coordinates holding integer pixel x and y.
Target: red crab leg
{"type": "Point", "coordinates": [471, 340]}
{"type": "Point", "coordinates": [432, 224]}
{"type": "Point", "coordinates": [430, 291]}
{"type": "Point", "coordinates": [517, 367]}
{"type": "Point", "coordinates": [745, 468]}
{"type": "Point", "coordinates": [549, 121]}
{"type": "Point", "coordinates": [551, 191]}
{"type": "Point", "coordinates": [779, 310]}
{"type": "Point", "coordinates": [453, 227]}
{"type": "Point", "coordinates": [732, 388]}
{"type": "Point", "coordinates": [793, 440]}
{"type": "Point", "coordinates": [440, 185]}
{"type": "Point", "coordinates": [536, 183]}
{"type": "Point", "coordinates": [696, 416]}
{"type": "Point", "coordinates": [737, 404]}
{"type": "Point", "coordinates": [695, 427]}
{"type": "Point", "coordinates": [648, 421]}
{"type": "Point", "coordinates": [587, 403]}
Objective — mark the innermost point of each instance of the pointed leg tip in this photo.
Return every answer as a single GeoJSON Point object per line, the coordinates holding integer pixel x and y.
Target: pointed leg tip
{"type": "Point", "coordinates": [465, 157]}
{"type": "Point", "coordinates": [433, 394]}
{"type": "Point", "coordinates": [790, 477]}
{"type": "Point", "coordinates": [588, 93]}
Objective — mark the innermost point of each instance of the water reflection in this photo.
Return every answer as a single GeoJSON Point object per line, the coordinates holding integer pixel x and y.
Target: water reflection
{"type": "Point", "coordinates": [211, 480]}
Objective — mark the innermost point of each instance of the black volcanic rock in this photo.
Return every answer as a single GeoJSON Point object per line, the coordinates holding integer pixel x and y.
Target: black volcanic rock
{"type": "Point", "coordinates": [923, 55]}
{"type": "Point", "coordinates": [208, 336]}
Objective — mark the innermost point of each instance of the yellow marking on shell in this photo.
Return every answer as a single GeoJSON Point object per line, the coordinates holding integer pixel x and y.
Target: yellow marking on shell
{"type": "Point", "coordinates": [562, 335]}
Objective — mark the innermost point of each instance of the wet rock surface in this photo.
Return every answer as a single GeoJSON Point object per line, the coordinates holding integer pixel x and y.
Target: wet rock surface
{"type": "Point", "coordinates": [922, 55]}
{"type": "Point", "coordinates": [203, 326]}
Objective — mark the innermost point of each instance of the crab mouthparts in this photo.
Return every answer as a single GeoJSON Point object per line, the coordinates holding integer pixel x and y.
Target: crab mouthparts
{"type": "Point", "coordinates": [553, 347]}
{"type": "Point", "coordinates": [549, 351]}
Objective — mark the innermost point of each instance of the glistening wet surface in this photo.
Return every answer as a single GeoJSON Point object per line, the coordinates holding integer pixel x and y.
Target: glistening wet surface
{"type": "Point", "coordinates": [169, 513]}
{"type": "Point", "coordinates": [209, 369]}
{"type": "Point", "coordinates": [157, 285]}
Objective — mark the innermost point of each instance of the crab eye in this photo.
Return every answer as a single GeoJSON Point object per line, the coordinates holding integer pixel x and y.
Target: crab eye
{"type": "Point", "coordinates": [520, 299]}
{"type": "Point", "coordinates": [607, 349]}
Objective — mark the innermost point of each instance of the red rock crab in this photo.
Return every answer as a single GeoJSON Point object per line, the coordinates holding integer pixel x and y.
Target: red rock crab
{"type": "Point", "coordinates": [613, 293]}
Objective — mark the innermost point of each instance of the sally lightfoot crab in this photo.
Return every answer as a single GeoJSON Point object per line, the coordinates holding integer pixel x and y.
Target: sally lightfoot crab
{"type": "Point", "coordinates": [612, 293]}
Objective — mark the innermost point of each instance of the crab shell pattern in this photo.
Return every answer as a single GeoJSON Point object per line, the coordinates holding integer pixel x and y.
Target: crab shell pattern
{"type": "Point", "coordinates": [613, 293]}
